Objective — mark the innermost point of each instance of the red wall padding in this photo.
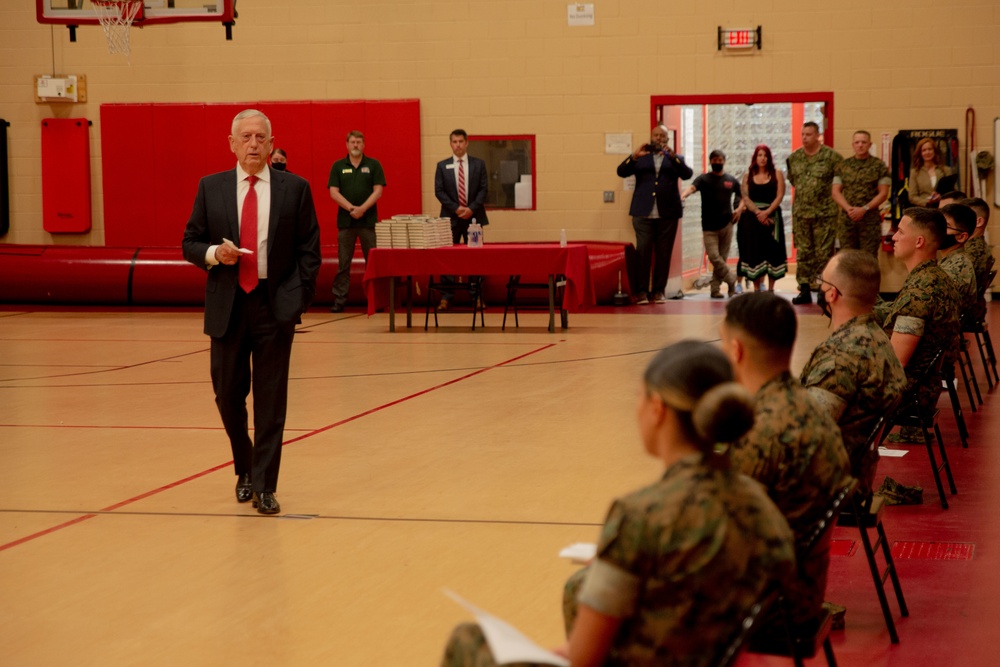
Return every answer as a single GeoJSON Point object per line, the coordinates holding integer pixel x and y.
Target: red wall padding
{"type": "Point", "coordinates": [65, 175]}
{"type": "Point", "coordinates": [154, 155]}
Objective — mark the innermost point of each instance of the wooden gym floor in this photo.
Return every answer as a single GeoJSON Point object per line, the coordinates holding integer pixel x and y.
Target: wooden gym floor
{"type": "Point", "coordinates": [414, 462]}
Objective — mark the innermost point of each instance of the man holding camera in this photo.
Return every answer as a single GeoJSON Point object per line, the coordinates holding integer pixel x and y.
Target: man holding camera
{"type": "Point", "coordinates": [656, 209]}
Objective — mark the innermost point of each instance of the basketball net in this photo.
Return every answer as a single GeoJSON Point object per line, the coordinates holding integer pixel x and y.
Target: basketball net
{"type": "Point", "coordinates": [116, 18]}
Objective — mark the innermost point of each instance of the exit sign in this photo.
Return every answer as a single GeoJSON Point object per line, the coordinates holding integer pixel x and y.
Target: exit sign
{"type": "Point", "coordinates": [739, 38]}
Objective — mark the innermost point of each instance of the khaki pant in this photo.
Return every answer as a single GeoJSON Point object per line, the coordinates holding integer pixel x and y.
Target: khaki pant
{"type": "Point", "coordinates": [717, 245]}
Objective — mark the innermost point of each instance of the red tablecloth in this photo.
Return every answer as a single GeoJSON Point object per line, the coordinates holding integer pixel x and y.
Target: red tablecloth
{"type": "Point", "coordinates": [493, 259]}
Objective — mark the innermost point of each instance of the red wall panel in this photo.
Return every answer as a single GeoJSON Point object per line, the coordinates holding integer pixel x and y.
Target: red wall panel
{"type": "Point", "coordinates": [126, 144]}
{"type": "Point", "coordinates": [177, 162]}
{"type": "Point", "coordinates": [65, 175]}
{"type": "Point", "coordinates": [155, 154]}
{"type": "Point", "coordinates": [392, 136]}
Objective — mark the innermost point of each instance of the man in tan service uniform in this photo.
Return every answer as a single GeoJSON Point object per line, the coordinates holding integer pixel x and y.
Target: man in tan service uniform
{"type": "Point", "coordinates": [814, 213]}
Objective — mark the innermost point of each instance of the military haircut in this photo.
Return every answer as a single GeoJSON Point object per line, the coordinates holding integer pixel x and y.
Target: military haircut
{"type": "Point", "coordinates": [961, 216]}
{"type": "Point", "coordinates": [978, 205]}
{"type": "Point", "coordinates": [864, 132]}
{"type": "Point", "coordinates": [857, 275]}
{"type": "Point", "coordinates": [716, 153]}
{"type": "Point", "coordinates": [811, 124]}
{"type": "Point", "coordinates": [459, 133]}
{"type": "Point", "coordinates": [953, 194]}
{"type": "Point", "coordinates": [765, 317]}
{"type": "Point", "coordinates": [929, 221]}
{"type": "Point", "coordinates": [696, 380]}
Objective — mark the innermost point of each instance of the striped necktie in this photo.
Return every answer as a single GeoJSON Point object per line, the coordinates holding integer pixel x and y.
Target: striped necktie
{"type": "Point", "coordinates": [463, 199]}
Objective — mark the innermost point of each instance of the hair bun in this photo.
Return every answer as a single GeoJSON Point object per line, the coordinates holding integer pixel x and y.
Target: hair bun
{"type": "Point", "coordinates": [723, 414]}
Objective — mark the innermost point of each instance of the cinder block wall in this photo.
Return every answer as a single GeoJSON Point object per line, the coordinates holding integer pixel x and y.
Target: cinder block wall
{"type": "Point", "coordinates": [515, 67]}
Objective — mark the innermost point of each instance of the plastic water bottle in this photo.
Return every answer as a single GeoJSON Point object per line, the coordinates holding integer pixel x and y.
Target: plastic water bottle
{"type": "Point", "coordinates": [562, 238]}
{"type": "Point", "coordinates": [475, 234]}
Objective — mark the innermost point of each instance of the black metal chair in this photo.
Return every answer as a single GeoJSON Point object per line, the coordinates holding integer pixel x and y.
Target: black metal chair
{"type": "Point", "coordinates": [964, 364]}
{"type": "Point", "coordinates": [475, 289]}
{"type": "Point", "coordinates": [909, 414]}
{"type": "Point", "coordinates": [949, 383]}
{"type": "Point", "coordinates": [799, 642]}
{"type": "Point", "coordinates": [751, 622]}
{"type": "Point", "coordinates": [979, 328]}
{"type": "Point", "coordinates": [865, 513]}
{"type": "Point", "coordinates": [554, 291]}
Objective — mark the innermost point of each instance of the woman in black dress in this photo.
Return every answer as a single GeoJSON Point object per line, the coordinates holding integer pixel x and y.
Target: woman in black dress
{"type": "Point", "coordinates": [761, 232]}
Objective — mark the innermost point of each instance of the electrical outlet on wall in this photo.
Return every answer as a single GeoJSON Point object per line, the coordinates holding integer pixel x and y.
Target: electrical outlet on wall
{"type": "Point", "coordinates": [609, 196]}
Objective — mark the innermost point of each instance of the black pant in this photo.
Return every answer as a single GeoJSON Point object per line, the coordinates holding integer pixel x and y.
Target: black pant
{"type": "Point", "coordinates": [254, 338]}
{"type": "Point", "coordinates": [654, 244]}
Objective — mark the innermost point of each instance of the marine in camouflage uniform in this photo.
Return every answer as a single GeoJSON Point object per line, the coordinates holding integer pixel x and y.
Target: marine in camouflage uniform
{"type": "Point", "coordinates": [860, 180]}
{"type": "Point", "coordinates": [795, 450]}
{"type": "Point", "coordinates": [926, 306]}
{"type": "Point", "coordinates": [681, 562]}
{"type": "Point", "coordinates": [814, 213]}
{"type": "Point", "coordinates": [958, 265]}
{"type": "Point", "coordinates": [980, 253]}
{"type": "Point", "coordinates": [856, 375]}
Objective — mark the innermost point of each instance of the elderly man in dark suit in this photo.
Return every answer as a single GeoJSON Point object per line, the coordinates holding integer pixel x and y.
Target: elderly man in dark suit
{"type": "Point", "coordinates": [656, 208]}
{"type": "Point", "coordinates": [254, 230]}
{"type": "Point", "coordinates": [461, 185]}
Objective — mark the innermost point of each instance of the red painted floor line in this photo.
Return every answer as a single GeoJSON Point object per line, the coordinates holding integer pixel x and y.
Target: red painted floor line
{"type": "Point", "coordinates": [123, 503]}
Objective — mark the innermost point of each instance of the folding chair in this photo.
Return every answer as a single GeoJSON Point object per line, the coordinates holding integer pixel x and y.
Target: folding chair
{"type": "Point", "coordinates": [981, 334]}
{"type": "Point", "coordinates": [804, 641]}
{"type": "Point", "coordinates": [730, 652]}
{"type": "Point", "coordinates": [514, 284]}
{"type": "Point", "coordinates": [949, 383]}
{"type": "Point", "coordinates": [866, 512]}
{"type": "Point", "coordinates": [475, 289]}
{"type": "Point", "coordinates": [910, 414]}
{"type": "Point", "coordinates": [969, 379]}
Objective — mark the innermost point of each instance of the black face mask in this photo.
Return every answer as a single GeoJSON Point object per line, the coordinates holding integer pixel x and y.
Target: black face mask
{"type": "Point", "coordinates": [717, 168]}
{"type": "Point", "coordinates": [280, 166]}
{"type": "Point", "coordinates": [822, 303]}
{"type": "Point", "coordinates": [947, 242]}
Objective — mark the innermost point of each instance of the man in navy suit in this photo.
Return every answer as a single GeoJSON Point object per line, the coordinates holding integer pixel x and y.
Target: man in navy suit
{"type": "Point", "coordinates": [656, 208]}
{"type": "Point", "coordinates": [461, 185]}
{"type": "Point", "coordinates": [254, 231]}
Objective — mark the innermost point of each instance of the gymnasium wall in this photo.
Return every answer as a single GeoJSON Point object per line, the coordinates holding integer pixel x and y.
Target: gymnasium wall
{"type": "Point", "coordinates": [505, 67]}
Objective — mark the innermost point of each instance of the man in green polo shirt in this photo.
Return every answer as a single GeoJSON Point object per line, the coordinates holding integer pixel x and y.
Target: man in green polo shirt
{"type": "Point", "coordinates": [356, 183]}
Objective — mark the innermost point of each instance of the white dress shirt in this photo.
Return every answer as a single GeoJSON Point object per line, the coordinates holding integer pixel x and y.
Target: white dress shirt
{"type": "Point", "coordinates": [263, 190]}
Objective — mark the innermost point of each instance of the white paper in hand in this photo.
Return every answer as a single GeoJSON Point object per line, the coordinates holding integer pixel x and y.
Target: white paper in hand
{"type": "Point", "coordinates": [242, 251]}
{"type": "Point", "coordinates": [507, 644]}
{"type": "Point", "coordinates": [579, 552]}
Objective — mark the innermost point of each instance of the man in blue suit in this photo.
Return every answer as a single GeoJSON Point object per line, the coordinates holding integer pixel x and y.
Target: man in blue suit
{"type": "Point", "coordinates": [656, 209]}
{"type": "Point", "coordinates": [461, 185]}
{"type": "Point", "coordinates": [253, 230]}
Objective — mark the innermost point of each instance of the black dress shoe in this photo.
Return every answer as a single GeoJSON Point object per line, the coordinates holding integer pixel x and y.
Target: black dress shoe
{"type": "Point", "coordinates": [266, 503]}
{"type": "Point", "coordinates": [337, 308]}
{"type": "Point", "coordinates": [243, 489]}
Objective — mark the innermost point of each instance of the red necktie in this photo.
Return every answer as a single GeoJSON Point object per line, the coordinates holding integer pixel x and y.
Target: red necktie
{"type": "Point", "coordinates": [462, 198]}
{"type": "Point", "coordinates": [248, 239]}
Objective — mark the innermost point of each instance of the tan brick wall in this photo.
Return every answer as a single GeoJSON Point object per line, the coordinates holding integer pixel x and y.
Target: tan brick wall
{"type": "Point", "coordinates": [515, 67]}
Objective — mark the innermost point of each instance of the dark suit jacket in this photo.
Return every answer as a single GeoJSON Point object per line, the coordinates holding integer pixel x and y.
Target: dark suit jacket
{"type": "Point", "coordinates": [293, 256]}
{"type": "Point", "coordinates": [660, 187]}
{"type": "Point", "coordinates": [447, 192]}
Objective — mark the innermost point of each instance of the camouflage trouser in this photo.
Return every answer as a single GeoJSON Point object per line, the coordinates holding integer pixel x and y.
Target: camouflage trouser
{"type": "Point", "coordinates": [467, 647]}
{"type": "Point", "coordinates": [814, 239]}
{"type": "Point", "coordinates": [863, 235]}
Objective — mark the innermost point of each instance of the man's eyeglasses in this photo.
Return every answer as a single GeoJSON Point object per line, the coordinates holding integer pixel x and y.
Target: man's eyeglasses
{"type": "Point", "coordinates": [820, 282]}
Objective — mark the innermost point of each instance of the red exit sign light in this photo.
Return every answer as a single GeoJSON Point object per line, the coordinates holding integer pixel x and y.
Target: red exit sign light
{"type": "Point", "coordinates": [741, 38]}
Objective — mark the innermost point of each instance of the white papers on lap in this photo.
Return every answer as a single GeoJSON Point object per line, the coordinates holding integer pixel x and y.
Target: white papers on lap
{"type": "Point", "coordinates": [892, 453]}
{"type": "Point", "coordinates": [506, 642]}
{"type": "Point", "coordinates": [580, 552]}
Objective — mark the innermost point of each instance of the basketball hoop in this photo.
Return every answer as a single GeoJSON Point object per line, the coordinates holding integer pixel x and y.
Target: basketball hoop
{"type": "Point", "coordinates": [116, 17]}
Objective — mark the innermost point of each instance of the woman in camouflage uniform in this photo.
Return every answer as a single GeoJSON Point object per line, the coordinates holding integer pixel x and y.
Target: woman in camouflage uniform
{"type": "Point", "coordinates": [680, 562]}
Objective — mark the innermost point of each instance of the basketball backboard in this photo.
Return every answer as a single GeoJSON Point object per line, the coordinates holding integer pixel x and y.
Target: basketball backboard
{"type": "Point", "coordinates": [82, 12]}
